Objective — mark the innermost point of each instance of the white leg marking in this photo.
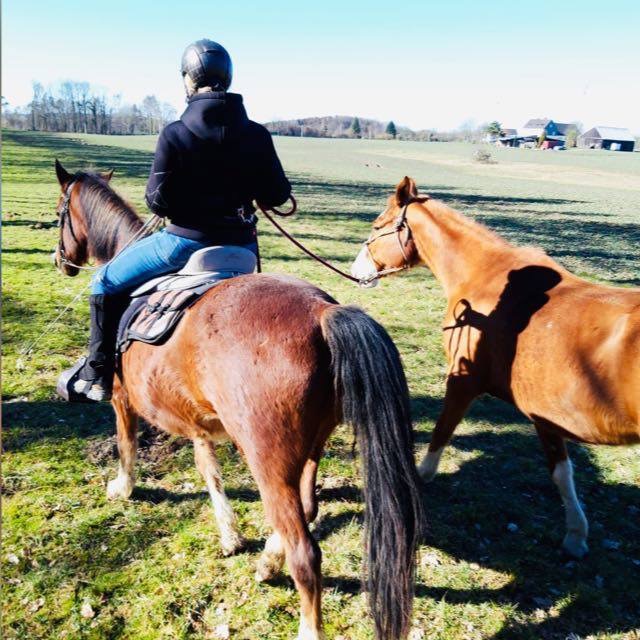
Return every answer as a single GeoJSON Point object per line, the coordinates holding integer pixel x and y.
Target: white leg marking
{"type": "Point", "coordinates": [575, 542]}
{"type": "Point", "coordinates": [122, 485]}
{"type": "Point", "coordinates": [307, 632]}
{"type": "Point", "coordinates": [207, 463]}
{"type": "Point", "coordinates": [271, 559]}
{"type": "Point", "coordinates": [363, 267]}
{"type": "Point", "coordinates": [429, 465]}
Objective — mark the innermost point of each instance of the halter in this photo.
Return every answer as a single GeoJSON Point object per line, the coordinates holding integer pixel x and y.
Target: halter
{"type": "Point", "coordinates": [399, 224]}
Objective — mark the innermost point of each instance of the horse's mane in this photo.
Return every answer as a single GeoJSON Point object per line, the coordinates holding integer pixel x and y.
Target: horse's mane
{"type": "Point", "coordinates": [108, 217]}
{"type": "Point", "coordinates": [465, 224]}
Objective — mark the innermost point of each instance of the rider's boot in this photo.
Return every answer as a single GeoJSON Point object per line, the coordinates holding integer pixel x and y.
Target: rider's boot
{"type": "Point", "coordinates": [90, 379]}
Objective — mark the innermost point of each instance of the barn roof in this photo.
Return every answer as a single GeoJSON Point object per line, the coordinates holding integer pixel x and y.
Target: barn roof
{"type": "Point", "coordinates": [614, 133]}
{"type": "Point", "coordinates": [537, 123]}
{"type": "Point", "coordinates": [563, 127]}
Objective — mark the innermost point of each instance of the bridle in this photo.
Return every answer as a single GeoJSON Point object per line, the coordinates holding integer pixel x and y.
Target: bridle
{"type": "Point", "coordinates": [64, 218]}
{"type": "Point", "coordinates": [399, 224]}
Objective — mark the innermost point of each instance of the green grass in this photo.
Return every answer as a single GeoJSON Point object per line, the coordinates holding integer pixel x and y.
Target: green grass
{"type": "Point", "coordinates": [152, 567]}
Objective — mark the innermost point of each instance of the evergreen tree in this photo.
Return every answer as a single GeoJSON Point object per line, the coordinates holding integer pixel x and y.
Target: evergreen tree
{"type": "Point", "coordinates": [494, 129]}
{"type": "Point", "coordinates": [355, 127]}
{"type": "Point", "coordinates": [391, 129]}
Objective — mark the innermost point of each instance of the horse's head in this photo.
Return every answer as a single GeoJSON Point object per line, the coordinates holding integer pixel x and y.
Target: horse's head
{"type": "Point", "coordinates": [72, 250]}
{"type": "Point", "coordinates": [390, 246]}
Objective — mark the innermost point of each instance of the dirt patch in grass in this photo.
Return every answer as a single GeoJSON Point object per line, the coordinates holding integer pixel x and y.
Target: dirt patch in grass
{"type": "Point", "coordinates": [154, 447]}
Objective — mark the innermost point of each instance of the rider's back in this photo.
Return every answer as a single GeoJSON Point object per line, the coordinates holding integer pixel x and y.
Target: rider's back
{"type": "Point", "coordinates": [212, 161]}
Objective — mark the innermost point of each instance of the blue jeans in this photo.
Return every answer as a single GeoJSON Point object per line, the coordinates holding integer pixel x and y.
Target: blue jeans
{"type": "Point", "coordinates": [153, 256]}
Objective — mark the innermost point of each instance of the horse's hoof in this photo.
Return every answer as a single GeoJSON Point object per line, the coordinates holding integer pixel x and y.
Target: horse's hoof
{"type": "Point", "coordinates": [428, 468]}
{"type": "Point", "coordinates": [268, 568]}
{"type": "Point", "coordinates": [427, 472]}
{"type": "Point", "coordinates": [119, 489]}
{"type": "Point", "coordinates": [575, 546]}
{"type": "Point", "coordinates": [233, 545]}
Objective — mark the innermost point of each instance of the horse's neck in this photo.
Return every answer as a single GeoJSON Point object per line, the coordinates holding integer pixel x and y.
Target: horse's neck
{"type": "Point", "coordinates": [122, 230]}
{"type": "Point", "coordinates": [128, 235]}
{"type": "Point", "coordinates": [455, 248]}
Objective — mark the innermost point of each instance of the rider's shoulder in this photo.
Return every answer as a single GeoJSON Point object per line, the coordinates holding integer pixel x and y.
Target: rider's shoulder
{"type": "Point", "coordinates": [258, 131]}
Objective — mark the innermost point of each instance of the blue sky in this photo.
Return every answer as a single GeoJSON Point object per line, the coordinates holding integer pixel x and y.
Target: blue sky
{"type": "Point", "coordinates": [422, 64]}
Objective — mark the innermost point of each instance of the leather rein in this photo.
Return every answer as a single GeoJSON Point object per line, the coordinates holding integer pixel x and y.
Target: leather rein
{"type": "Point", "coordinates": [400, 223]}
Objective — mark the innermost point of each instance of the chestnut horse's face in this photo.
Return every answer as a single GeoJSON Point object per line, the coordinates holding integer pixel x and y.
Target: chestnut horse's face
{"type": "Point", "coordinates": [390, 246]}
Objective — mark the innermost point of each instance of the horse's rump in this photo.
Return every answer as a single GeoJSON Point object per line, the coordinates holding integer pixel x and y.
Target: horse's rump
{"type": "Point", "coordinates": [251, 343]}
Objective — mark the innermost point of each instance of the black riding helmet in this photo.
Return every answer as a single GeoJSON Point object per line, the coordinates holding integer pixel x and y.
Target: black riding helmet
{"type": "Point", "coordinates": [208, 64]}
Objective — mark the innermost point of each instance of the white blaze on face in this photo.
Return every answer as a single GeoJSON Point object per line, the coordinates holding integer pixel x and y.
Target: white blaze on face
{"type": "Point", "coordinates": [363, 267]}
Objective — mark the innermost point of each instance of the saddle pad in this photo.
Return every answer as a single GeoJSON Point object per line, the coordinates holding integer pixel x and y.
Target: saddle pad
{"type": "Point", "coordinates": [153, 318]}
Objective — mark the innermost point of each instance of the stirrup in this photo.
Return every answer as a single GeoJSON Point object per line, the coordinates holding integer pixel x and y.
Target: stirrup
{"type": "Point", "coordinates": [72, 388]}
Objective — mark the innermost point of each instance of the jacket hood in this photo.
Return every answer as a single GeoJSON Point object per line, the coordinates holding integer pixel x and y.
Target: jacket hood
{"type": "Point", "coordinates": [215, 115]}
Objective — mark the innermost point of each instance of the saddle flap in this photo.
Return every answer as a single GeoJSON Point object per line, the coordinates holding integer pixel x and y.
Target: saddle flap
{"type": "Point", "coordinates": [152, 318]}
{"type": "Point", "coordinates": [160, 313]}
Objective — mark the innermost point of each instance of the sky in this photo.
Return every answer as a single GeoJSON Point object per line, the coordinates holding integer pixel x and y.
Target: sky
{"type": "Point", "coordinates": [421, 64]}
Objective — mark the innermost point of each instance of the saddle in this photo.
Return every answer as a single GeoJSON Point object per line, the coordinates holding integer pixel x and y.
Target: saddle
{"type": "Point", "coordinates": [158, 305]}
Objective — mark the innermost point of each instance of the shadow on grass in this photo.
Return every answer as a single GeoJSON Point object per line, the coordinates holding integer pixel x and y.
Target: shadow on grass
{"type": "Point", "coordinates": [508, 483]}
{"type": "Point", "coordinates": [502, 481]}
{"type": "Point", "coordinates": [75, 154]}
{"type": "Point", "coordinates": [27, 423]}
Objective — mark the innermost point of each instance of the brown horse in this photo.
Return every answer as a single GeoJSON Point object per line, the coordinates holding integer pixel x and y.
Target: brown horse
{"type": "Point", "coordinates": [273, 363]}
{"type": "Point", "coordinates": [520, 327]}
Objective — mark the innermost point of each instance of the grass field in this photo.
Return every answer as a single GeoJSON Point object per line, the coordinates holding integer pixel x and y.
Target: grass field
{"type": "Point", "coordinates": [152, 567]}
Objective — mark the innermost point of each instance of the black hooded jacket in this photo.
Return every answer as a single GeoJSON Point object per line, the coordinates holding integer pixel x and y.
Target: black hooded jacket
{"type": "Point", "coordinates": [211, 163]}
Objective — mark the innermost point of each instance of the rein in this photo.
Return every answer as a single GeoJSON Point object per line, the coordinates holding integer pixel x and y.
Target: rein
{"type": "Point", "coordinates": [399, 224]}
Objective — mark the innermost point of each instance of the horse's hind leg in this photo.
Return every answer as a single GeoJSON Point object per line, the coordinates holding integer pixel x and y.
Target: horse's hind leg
{"type": "Point", "coordinates": [272, 558]}
{"type": "Point", "coordinates": [208, 466]}
{"type": "Point", "coordinates": [575, 540]}
{"type": "Point", "coordinates": [460, 393]}
{"type": "Point", "coordinates": [284, 508]}
{"type": "Point", "coordinates": [127, 435]}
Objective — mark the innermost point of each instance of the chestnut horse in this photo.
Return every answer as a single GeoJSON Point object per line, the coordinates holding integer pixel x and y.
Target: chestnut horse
{"type": "Point", "coordinates": [518, 326]}
{"type": "Point", "coordinates": [274, 364]}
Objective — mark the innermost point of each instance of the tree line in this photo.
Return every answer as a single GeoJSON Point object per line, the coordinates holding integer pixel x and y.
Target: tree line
{"type": "Point", "coordinates": [356, 127]}
{"type": "Point", "coordinates": [79, 107]}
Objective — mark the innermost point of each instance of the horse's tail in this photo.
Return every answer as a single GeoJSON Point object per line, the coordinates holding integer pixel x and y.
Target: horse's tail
{"type": "Point", "coordinates": [372, 389]}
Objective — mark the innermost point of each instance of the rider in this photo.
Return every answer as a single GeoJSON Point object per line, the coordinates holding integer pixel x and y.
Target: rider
{"type": "Point", "coordinates": [209, 166]}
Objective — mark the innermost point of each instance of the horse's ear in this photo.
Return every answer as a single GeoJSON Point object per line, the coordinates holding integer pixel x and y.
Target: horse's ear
{"type": "Point", "coordinates": [107, 175]}
{"type": "Point", "coordinates": [63, 175]}
{"type": "Point", "coordinates": [406, 191]}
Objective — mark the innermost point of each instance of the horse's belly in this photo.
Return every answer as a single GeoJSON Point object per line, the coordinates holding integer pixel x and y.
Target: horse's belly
{"type": "Point", "coordinates": [586, 398]}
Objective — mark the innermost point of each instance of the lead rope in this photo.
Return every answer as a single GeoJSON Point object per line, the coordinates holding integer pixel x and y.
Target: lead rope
{"type": "Point", "coordinates": [150, 226]}
{"type": "Point", "coordinates": [286, 234]}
